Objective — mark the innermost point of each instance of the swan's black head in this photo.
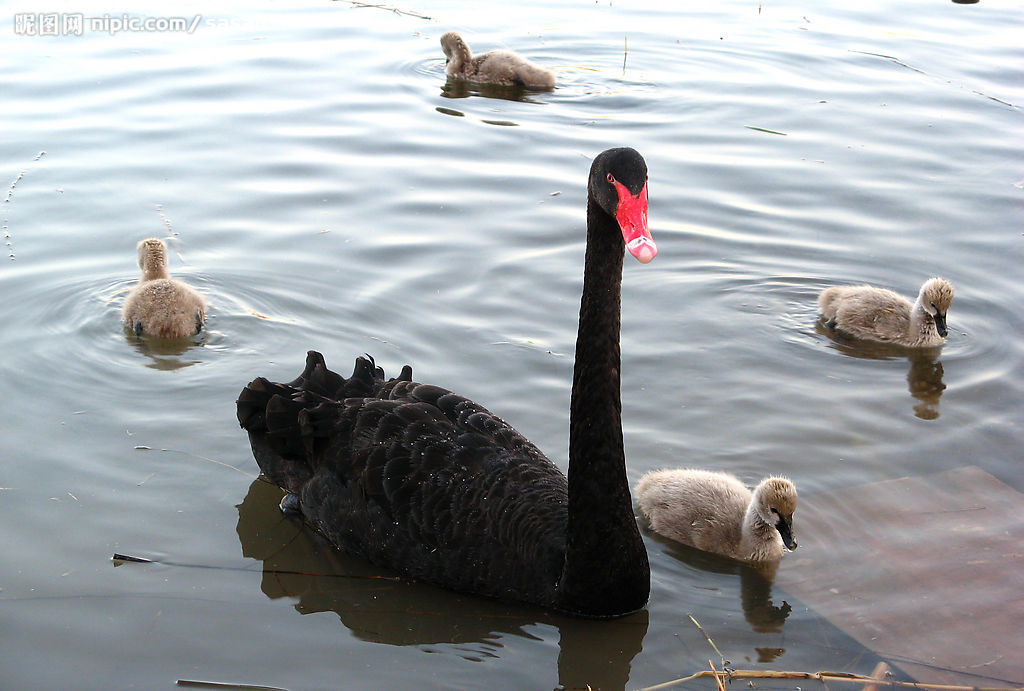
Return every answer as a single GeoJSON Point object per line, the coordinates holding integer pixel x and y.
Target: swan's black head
{"type": "Point", "coordinates": [618, 183]}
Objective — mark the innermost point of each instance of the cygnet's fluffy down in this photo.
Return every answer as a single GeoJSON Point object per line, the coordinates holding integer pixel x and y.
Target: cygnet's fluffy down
{"type": "Point", "coordinates": [877, 314]}
{"type": "Point", "coordinates": [495, 67]}
{"type": "Point", "coordinates": [716, 512]}
{"type": "Point", "coordinates": [160, 305]}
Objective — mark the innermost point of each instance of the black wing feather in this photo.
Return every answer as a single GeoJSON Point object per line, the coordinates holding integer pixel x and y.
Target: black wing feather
{"type": "Point", "coordinates": [413, 477]}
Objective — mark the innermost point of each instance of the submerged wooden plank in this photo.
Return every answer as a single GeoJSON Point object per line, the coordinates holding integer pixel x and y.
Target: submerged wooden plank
{"type": "Point", "coordinates": [927, 571]}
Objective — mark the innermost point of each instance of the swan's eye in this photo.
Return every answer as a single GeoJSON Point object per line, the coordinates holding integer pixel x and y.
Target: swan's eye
{"type": "Point", "coordinates": [611, 178]}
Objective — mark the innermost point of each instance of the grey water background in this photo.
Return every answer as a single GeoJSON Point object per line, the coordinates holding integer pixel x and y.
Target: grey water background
{"type": "Point", "coordinates": [317, 179]}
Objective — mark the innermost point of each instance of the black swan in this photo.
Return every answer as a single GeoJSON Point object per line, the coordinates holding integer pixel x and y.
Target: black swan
{"type": "Point", "coordinates": [424, 481]}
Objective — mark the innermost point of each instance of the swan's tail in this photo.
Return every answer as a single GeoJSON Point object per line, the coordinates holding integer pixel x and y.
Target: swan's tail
{"type": "Point", "coordinates": [533, 77]}
{"type": "Point", "coordinates": [280, 421]}
{"type": "Point", "coordinates": [827, 301]}
{"type": "Point", "coordinates": [365, 381]}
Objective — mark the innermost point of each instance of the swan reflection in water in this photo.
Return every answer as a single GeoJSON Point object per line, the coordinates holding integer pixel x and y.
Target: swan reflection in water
{"type": "Point", "coordinates": [924, 379]}
{"type": "Point", "coordinates": [165, 353]}
{"type": "Point", "coordinates": [756, 579]}
{"type": "Point", "coordinates": [460, 88]}
{"type": "Point", "coordinates": [926, 385]}
{"type": "Point", "coordinates": [378, 606]}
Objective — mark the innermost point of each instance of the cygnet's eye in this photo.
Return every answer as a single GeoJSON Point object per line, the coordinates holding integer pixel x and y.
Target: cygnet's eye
{"type": "Point", "coordinates": [611, 178]}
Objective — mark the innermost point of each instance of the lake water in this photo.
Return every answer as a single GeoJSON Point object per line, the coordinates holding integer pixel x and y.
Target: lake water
{"type": "Point", "coordinates": [317, 180]}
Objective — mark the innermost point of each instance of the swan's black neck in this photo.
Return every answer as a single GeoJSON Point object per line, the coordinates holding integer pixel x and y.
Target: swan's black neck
{"type": "Point", "coordinates": [606, 571]}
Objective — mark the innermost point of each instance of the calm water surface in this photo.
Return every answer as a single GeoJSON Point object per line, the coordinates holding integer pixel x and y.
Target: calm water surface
{"type": "Point", "coordinates": [317, 179]}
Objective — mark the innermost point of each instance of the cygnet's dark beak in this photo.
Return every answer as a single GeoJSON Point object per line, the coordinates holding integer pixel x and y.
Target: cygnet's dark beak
{"type": "Point", "coordinates": [785, 528]}
{"type": "Point", "coordinates": [940, 324]}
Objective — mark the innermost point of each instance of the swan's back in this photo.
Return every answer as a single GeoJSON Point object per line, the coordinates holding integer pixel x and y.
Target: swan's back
{"type": "Point", "coordinates": [413, 477]}
{"type": "Point", "coordinates": [868, 312]}
{"type": "Point", "coordinates": [165, 308]}
{"type": "Point", "coordinates": [160, 305]}
{"type": "Point", "coordinates": [700, 508]}
{"type": "Point", "coordinates": [505, 67]}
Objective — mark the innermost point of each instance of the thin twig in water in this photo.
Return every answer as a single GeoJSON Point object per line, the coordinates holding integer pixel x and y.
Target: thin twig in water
{"type": "Point", "coordinates": [997, 100]}
{"type": "Point", "coordinates": [143, 447]}
{"type": "Point", "coordinates": [706, 636]}
{"type": "Point", "coordinates": [762, 129]}
{"type": "Point", "coordinates": [625, 52]}
{"type": "Point", "coordinates": [718, 677]}
{"type": "Point", "coordinates": [127, 558]}
{"type": "Point", "coordinates": [882, 673]}
{"type": "Point", "coordinates": [356, 3]}
{"type": "Point", "coordinates": [888, 57]}
{"type": "Point", "coordinates": [911, 67]}
{"type": "Point", "coordinates": [733, 674]}
{"type": "Point", "coordinates": [222, 685]}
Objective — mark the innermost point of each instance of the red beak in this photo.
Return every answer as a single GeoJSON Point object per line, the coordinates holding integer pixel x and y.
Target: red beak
{"type": "Point", "coordinates": [631, 213]}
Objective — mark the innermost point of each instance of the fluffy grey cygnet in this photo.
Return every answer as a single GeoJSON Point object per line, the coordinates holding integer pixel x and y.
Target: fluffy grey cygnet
{"type": "Point", "coordinates": [877, 314]}
{"type": "Point", "coordinates": [160, 305]}
{"type": "Point", "coordinates": [494, 67]}
{"type": "Point", "coordinates": [716, 512]}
